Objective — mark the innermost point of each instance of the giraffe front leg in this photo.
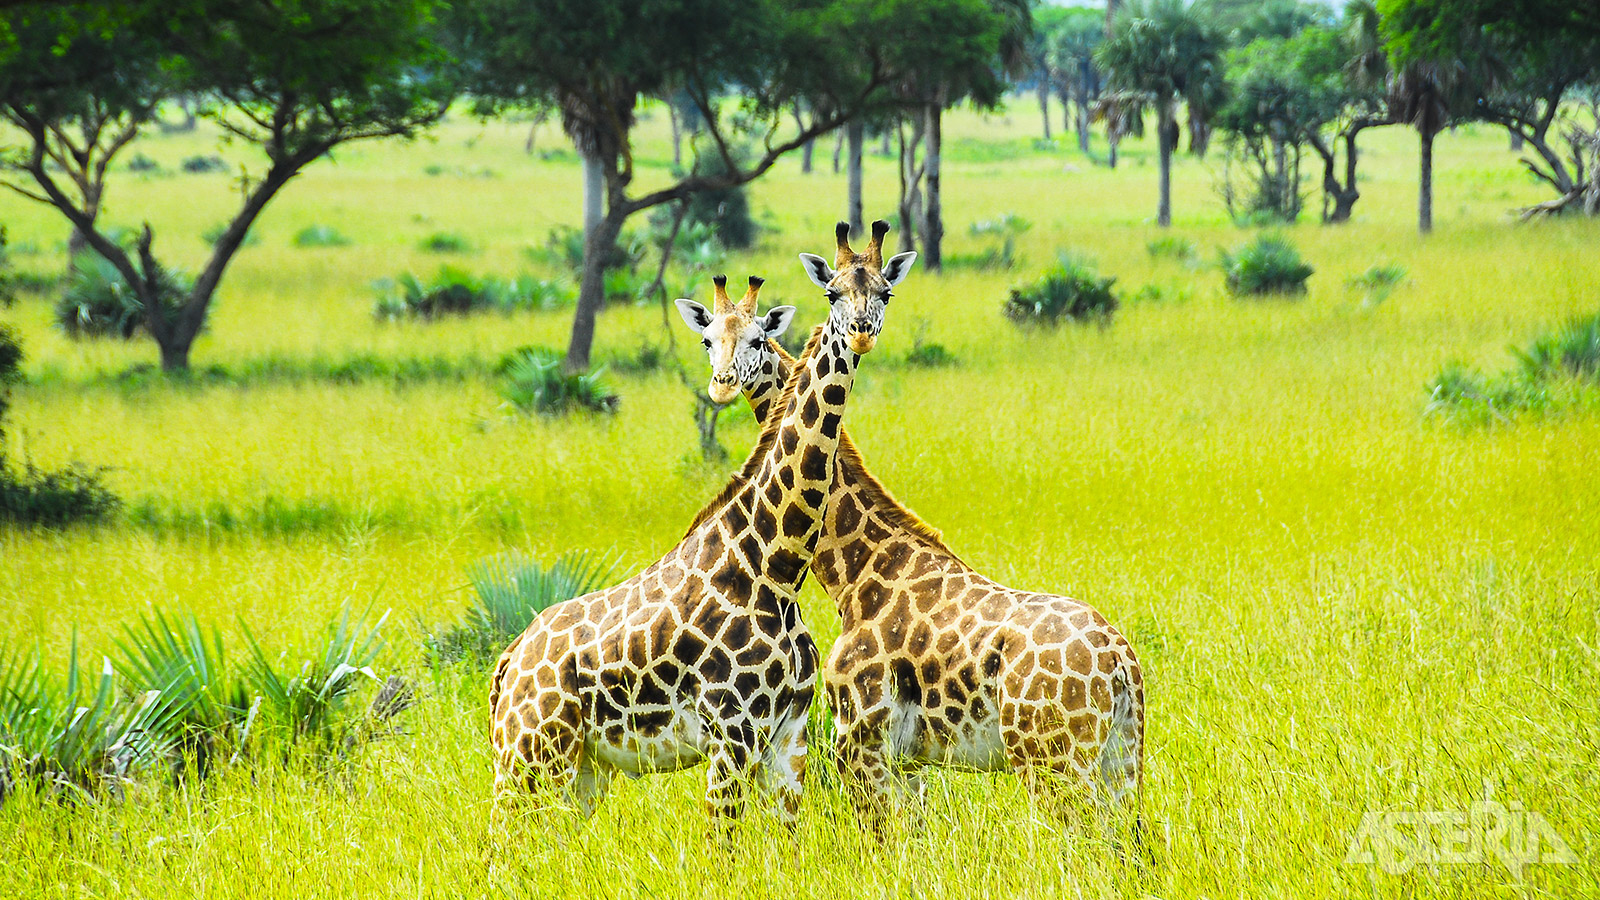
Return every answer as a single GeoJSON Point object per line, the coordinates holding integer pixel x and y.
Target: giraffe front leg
{"type": "Point", "coordinates": [783, 771]}
{"type": "Point", "coordinates": [868, 778]}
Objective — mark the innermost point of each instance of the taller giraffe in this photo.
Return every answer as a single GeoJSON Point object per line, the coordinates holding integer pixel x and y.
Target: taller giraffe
{"type": "Point", "coordinates": [703, 655]}
{"type": "Point", "coordinates": [936, 664]}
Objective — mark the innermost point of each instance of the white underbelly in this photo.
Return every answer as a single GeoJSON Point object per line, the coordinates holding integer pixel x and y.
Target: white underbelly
{"type": "Point", "coordinates": [975, 745]}
{"type": "Point", "coordinates": [677, 746]}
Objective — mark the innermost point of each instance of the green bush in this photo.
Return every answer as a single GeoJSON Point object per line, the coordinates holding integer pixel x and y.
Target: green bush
{"type": "Point", "coordinates": [532, 380]}
{"type": "Point", "coordinates": [81, 738]}
{"type": "Point", "coordinates": [445, 242]}
{"type": "Point", "coordinates": [1171, 247]}
{"type": "Point", "coordinates": [508, 591]}
{"type": "Point", "coordinates": [312, 704]}
{"type": "Point", "coordinates": [143, 163]}
{"type": "Point", "coordinates": [33, 497]}
{"type": "Point", "coordinates": [201, 165]}
{"type": "Point", "coordinates": [1267, 265]}
{"type": "Point", "coordinates": [725, 211]}
{"type": "Point", "coordinates": [1071, 291]}
{"type": "Point", "coordinates": [179, 706]}
{"type": "Point", "coordinates": [1378, 281]}
{"type": "Point", "coordinates": [98, 302]}
{"type": "Point", "coordinates": [1572, 350]}
{"type": "Point", "coordinates": [456, 292]}
{"type": "Point", "coordinates": [320, 236]}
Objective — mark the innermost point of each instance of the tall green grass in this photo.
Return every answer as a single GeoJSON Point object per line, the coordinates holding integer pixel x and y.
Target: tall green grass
{"type": "Point", "coordinates": [1340, 607]}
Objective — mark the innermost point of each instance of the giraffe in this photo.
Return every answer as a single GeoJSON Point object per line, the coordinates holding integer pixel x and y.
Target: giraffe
{"type": "Point", "coordinates": [702, 656]}
{"type": "Point", "coordinates": [937, 664]}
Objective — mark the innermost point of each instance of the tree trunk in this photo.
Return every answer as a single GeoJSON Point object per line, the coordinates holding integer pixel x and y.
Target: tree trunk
{"type": "Point", "coordinates": [805, 156]}
{"type": "Point", "coordinates": [597, 248]}
{"type": "Point", "coordinates": [1425, 185]}
{"type": "Point", "coordinates": [594, 184]}
{"type": "Point", "coordinates": [838, 149]}
{"type": "Point", "coordinates": [1083, 126]}
{"type": "Point", "coordinates": [855, 134]}
{"type": "Point", "coordinates": [1199, 135]}
{"type": "Point", "coordinates": [1164, 129]}
{"type": "Point", "coordinates": [910, 184]}
{"type": "Point", "coordinates": [1044, 105]}
{"type": "Point", "coordinates": [677, 137]}
{"type": "Point", "coordinates": [887, 148]}
{"type": "Point", "coordinates": [1516, 140]}
{"type": "Point", "coordinates": [933, 212]}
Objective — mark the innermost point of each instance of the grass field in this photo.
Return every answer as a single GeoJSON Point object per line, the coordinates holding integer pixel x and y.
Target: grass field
{"type": "Point", "coordinates": [1341, 605]}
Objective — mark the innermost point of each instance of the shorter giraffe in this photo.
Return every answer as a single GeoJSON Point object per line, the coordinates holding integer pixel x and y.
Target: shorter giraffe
{"type": "Point", "coordinates": [936, 664]}
{"type": "Point", "coordinates": [703, 655]}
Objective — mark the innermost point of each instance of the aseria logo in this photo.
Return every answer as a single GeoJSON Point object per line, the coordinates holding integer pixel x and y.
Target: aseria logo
{"type": "Point", "coordinates": [1486, 832]}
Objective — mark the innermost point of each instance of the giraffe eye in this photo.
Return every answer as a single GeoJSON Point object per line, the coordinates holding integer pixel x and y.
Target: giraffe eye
{"type": "Point", "coordinates": [706, 343]}
{"type": "Point", "coordinates": [833, 296]}
{"type": "Point", "coordinates": [755, 343]}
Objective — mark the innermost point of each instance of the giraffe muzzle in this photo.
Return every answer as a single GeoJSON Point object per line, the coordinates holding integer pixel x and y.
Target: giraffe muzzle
{"type": "Point", "coordinates": [724, 388]}
{"type": "Point", "coordinates": [860, 337]}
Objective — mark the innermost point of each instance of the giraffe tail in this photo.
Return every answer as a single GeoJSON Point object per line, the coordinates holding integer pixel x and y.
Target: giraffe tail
{"type": "Point", "coordinates": [1122, 754]}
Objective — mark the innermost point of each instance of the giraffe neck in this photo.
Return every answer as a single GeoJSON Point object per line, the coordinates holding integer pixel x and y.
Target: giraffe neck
{"type": "Point", "coordinates": [866, 506]}
{"type": "Point", "coordinates": [779, 509]}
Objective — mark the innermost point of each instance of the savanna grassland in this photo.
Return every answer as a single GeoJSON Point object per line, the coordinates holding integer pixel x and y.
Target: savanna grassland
{"type": "Point", "coordinates": [1341, 603]}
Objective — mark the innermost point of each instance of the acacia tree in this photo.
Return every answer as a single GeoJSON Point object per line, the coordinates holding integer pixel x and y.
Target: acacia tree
{"type": "Point", "coordinates": [1165, 51]}
{"type": "Point", "coordinates": [598, 61]}
{"type": "Point", "coordinates": [292, 78]}
{"type": "Point", "coordinates": [949, 51]}
{"type": "Point", "coordinates": [1527, 66]}
{"type": "Point", "coordinates": [1078, 81]}
{"type": "Point", "coordinates": [1312, 90]}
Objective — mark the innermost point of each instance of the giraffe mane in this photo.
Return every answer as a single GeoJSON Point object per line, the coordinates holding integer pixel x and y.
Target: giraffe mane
{"type": "Point", "coordinates": [768, 437]}
{"type": "Point", "coordinates": [894, 512]}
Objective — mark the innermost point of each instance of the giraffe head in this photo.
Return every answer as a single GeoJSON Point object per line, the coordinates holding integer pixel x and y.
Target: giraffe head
{"type": "Point", "coordinates": [858, 284]}
{"type": "Point", "coordinates": [734, 337]}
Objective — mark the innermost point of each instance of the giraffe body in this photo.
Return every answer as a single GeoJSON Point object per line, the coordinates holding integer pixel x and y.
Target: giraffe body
{"type": "Point", "coordinates": [938, 665]}
{"type": "Point", "coordinates": [703, 656]}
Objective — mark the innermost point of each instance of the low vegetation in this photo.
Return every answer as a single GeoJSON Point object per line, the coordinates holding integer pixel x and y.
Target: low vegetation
{"type": "Point", "coordinates": [532, 380]}
{"type": "Point", "coordinates": [455, 291]}
{"type": "Point", "coordinates": [1558, 370]}
{"type": "Point", "coordinates": [1070, 291]}
{"type": "Point", "coordinates": [318, 235]}
{"type": "Point", "coordinates": [97, 302]}
{"type": "Point", "coordinates": [507, 592]}
{"type": "Point", "coordinates": [1268, 265]}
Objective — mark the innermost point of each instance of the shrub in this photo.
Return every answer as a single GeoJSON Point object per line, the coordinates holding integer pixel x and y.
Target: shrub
{"type": "Point", "coordinates": [532, 380]}
{"type": "Point", "coordinates": [508, 591]}
{"type": "Point", "coordinates": [201, 165]}
{"type": "Point", "coordinates": [1267, 265]}
{"type": "Point", "coordinates": [453, 291]}
{"type": "Point", "coordinates": [1378, 282]}
{"type": "Point", "coordinates": [142, 163]}
{"type": "Point", "coordinates": [97, 301]}
{"type": "Point", "coordinates": [214, 707]}
{"type": "Point", "coordinates": [53, 499]}
{"type": "Point", "coordinates": [1171, 247]}
{"type": "Point", "coordinates": [1002, 233]}
{"type": "Point", "coordinates": [80, 739]}
{"type": "Point", "coordinates": [725, 211]}
{"type": "Point", "coordinates": [32, 497]}
{"type": "Point", "coordinates": [563, 250]}
{"type": "Point", "coordinates": [1072, 290]}
{"type": "Point", "coordinates": [1155, 293]}
{"type": "Point", "coordinates": [1572, 350]}
{"type": "Point", "coordinates": [445, 242]}
{"type": "Point", "coordinates": [930, 356]}
{"type": "Point", "coordinates": [320, 236]}
{"type": "Point", "coordinates": [311, 704]}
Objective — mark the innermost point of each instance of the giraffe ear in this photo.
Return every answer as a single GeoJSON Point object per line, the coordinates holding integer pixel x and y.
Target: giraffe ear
{"type": "Point", "coordinates": [898, 267]}
{"type": "Point", "coordinates": [697, 317]}
{"type": "Point", "coordinates": [777, 320]}
{"type": "Point", "coordinates": [817, 269]}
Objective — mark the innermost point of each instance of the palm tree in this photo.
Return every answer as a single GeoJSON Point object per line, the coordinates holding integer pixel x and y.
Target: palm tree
{"type": "Point", "coordinates": [1162, 49]}
{"type": "Point", "coordinates": [1422, 94]}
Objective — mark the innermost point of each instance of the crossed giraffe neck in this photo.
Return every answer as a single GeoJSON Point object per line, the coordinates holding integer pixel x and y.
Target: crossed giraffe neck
{"type": "Point", "coordinates": [703, 655]}
{"type": "Point", "coordinates": [936, 664]}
